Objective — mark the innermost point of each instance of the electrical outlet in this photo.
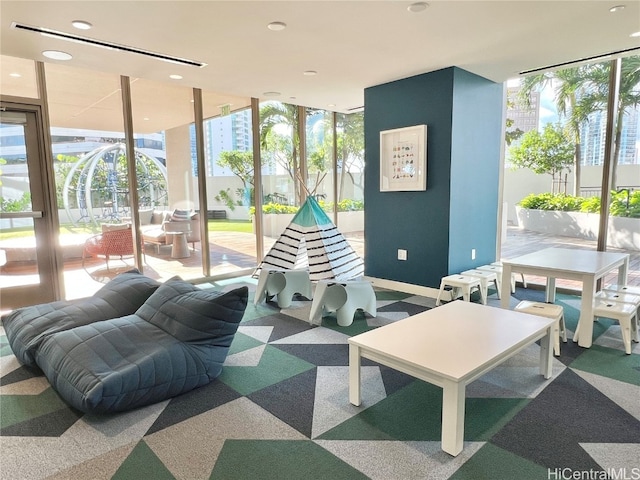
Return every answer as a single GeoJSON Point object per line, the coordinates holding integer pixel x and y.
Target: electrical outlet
{"type": "Point", "coordinates": [473, 254]}
{"type": "Point", "coordinates": [402, 254]}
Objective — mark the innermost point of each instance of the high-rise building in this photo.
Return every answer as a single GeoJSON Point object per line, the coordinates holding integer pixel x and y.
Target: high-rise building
{"type": "Point", "coordinates": [229, 132]}
{"type": "Point", "coordinates": [525, 116]}
{"type": "Point", "coordinates": [593, 132]}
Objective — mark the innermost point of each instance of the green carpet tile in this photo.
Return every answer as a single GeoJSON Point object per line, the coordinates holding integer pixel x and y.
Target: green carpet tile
{"type": "Point", "coordinates": [280, 410]}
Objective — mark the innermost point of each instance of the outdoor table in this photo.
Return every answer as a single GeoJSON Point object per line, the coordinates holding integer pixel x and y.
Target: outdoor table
{"type": "Point", "coordinates": [180, 247]}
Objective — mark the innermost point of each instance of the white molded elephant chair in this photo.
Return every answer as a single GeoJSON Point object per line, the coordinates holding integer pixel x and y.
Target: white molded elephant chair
{"type": "Point", "coordinates": [283, 284]}
{"type": "Point", "coordinates": [344, 298]}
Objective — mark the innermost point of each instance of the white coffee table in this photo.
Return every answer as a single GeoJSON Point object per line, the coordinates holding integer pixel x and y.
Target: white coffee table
{"type": "Point", "coordinates": [451, 346]}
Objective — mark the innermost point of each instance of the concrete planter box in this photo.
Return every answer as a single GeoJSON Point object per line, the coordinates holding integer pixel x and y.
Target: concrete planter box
{"type": "Point", "coordinates": [274, 224]}
{"type": "Point", "coordinates": [622, 232]}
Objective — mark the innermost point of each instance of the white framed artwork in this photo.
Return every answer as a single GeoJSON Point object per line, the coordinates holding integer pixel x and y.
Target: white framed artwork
{"type": "Point", "coordinates": [403, 159]}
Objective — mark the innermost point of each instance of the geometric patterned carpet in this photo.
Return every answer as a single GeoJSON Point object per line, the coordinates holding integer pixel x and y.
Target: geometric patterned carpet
{"type": "Point", "coordinates": [280, 410]}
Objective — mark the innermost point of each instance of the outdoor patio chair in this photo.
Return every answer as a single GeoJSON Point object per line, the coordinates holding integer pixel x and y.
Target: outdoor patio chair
{"type": "Point", "coordinates": [109, 244]}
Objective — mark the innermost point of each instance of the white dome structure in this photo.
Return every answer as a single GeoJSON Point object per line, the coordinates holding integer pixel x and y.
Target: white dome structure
{"type": "Point", "coordinates": [97, 184]}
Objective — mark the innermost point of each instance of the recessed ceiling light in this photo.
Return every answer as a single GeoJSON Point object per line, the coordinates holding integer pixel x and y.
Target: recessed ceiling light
{"type": "Point", "coordinates": [57, 55]}
{"type": "Point", "coordinates": [146, 118]}
{"type": "Point", "coordinates": [417, 7]}
{"type": "Point", "coordinates": [15, 75]}
{"type": "Point", "coordinates": [277, 26]}
{"type": "Point", "coordinates": [271, 94]}
{"type": "Point", "coordinates": [175, 77]}
{"type": "Point", "coordinates": [331, 105]}
{"type": "Point", "coordinates": [617, 8]}
{"type": "Point", "coordinates": [81, 25]}
{"type": "Point", "coordinates": [310, 73]}
{"type": "Point", "coordinates": [635, 34]}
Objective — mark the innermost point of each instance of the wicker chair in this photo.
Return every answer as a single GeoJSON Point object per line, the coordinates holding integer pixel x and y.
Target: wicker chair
{"type": "Point", "coordinates": [113, 243]}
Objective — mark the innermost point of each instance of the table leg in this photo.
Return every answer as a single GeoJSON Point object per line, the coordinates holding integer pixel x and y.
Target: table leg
{"type": "Point", "coordinates": [623, 272]}
{"type": "Point", "coordinates": [550, 292]}
{"type": "Point", "coordinates": [505, 294]}
{"type": "Point", "coordinates": [585, 322]}
{"type": "Point", "coordinates": [453, 394]}
{"type": "Point", "coordinates": [546, 353]}
{"type": "Point", "coordinates": [354, 374]}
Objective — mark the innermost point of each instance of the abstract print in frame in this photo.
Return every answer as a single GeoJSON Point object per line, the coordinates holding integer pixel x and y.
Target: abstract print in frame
{"type": "Point", "coordinates": [403, 159]}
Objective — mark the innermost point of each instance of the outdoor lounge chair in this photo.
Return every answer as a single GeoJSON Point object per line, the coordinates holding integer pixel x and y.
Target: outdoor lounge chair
{"type": "Point", "coordinates": [109, 244]}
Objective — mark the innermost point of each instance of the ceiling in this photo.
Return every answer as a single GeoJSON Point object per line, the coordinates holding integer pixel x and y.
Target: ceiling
{"type": "Point", "coordinates": [351, 45]}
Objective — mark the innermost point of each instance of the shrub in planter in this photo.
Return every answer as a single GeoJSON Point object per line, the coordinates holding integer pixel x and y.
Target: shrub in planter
{"type": "Point", "coordinates": [346, 205]}
{"type": "Point", "coordinates": [551, 201]}
{"type": "Point", "coordinates": [622, 204]}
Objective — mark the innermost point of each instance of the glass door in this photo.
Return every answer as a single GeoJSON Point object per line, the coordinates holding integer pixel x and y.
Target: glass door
{"type": "Point", "coordinates": [27, 267]}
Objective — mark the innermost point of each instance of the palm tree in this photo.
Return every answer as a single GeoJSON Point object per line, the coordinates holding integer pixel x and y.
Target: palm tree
{"type": "Point", "coordinates": [274, 114]}
{"type": "Point", "coordinates": [597, 93]}
{"type": "Point", "coordinates": [583, 90]}
{"type": "Point", "coordinates": [568, 86]}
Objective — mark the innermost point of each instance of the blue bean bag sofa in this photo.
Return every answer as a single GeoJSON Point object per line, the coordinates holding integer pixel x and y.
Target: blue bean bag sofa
{"type": "Point", "coordinates": [176, 341]}
{"type": "Point", "coordinates": [27, 327]}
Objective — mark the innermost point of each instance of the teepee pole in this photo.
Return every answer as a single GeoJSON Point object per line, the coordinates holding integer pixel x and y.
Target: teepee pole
{"type": "Point", "coordinates": [302, 184]}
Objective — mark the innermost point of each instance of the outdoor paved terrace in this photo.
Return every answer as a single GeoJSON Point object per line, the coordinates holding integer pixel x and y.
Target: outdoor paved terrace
{"type": "Point", "coordinates": [234, 252]}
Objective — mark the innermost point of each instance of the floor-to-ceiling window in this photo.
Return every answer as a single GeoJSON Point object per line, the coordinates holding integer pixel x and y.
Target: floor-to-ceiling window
{"type": "Point", "coordinates": [228, 152]}
{"type": "Point", "coordinates": [300, 149]}
{"type": "Point", "coordinates": [331, 170]}
{"type": "Point", "coordinates": [350, 178]}
{"type": "Point", "coordinates": [319, 135]}
{"type": "Point", "coordinates": [87, 140]}
{"type": "Point", "coordinates": [281, 175]}
{"type": "Point", "coordinates": [163, 112]}
{"type": "Point", "coordinates": [555, 158]}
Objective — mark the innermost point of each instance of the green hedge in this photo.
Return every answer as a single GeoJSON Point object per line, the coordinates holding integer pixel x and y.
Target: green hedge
{"type": "Point", "coordinates": [347, 205]}
{"type": "Point", "coordinates": [622, 205]}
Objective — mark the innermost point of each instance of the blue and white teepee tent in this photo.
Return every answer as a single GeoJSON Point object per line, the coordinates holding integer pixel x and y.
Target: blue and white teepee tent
{"type": "Point", "coordinates": [312, 241]}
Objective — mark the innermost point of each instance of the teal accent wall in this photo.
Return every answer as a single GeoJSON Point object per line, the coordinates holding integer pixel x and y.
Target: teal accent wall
{"type": "Point", "coordinates": [458, 211]}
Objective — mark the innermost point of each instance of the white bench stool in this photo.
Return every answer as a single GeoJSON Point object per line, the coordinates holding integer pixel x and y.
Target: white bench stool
{"type": "Point", "coordinates": [623, 289]}
{"type": "Point", "coordinates": [513, 277]}
{"type": "Point", "coordinates": [614, 296]}
{"type": "Point", "coordinates": [461, 285]}
{"type": "Point", "coordinates": [282, 284]}
{"type": "Point", "coordinates": [485, 277]}
{"type": "Point", "coordinates": [498, 271]}
{"type": "Point", "coordinates": [548, 310]}
{"type": "Point", "coordinates": [344, 298]}
{"type": "Point", "coordinates": [626, 314]}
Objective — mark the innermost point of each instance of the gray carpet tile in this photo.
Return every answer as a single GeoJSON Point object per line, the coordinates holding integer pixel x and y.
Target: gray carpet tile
{"type": "Point", "coordinates": [193, 403]}
{"type": "Point", "coordinates": [570, 411]}
{"type": "Point", "coordinates": [295, 412]}
{"type": "Point", "coordinates": [291, 400]}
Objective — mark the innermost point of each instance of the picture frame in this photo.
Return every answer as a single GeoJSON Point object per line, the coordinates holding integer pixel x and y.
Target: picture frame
{"type": "Point", "coordinates": [403, 159]}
